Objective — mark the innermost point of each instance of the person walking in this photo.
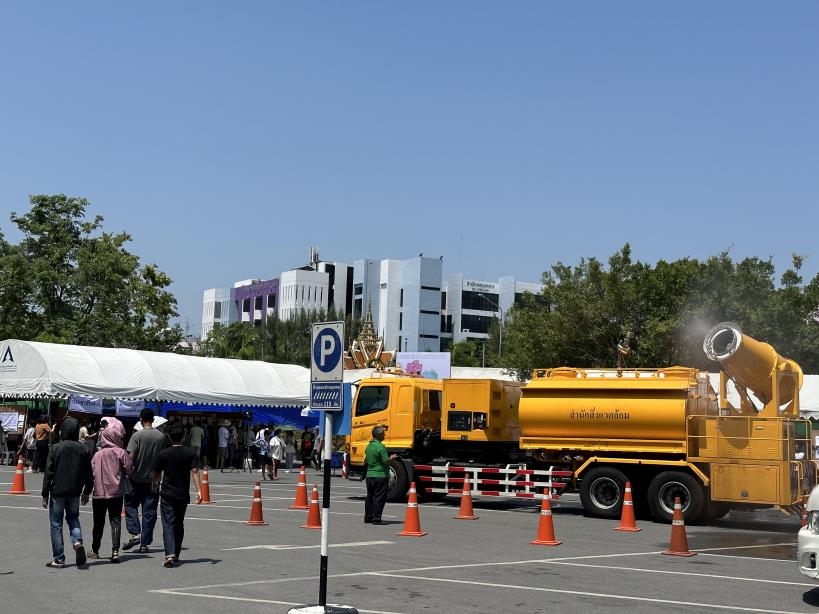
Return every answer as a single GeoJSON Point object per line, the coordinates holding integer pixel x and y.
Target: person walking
{"type": "Point", "coordinates": [233, 445]}
{"type": "Point", "coordinates": [67, 482]}
{"type": "Point", "coordinates": [377, 464]}
{"type": "Point", "coordinates": [42, 433]}
{"type": "Point", "coordinates": [143, 448]}
{"type": "Point", "coordinates": [289, 451]}
{"type": "Point", "coordinates": [264, 452]}
{"type": "Point", "coordinates": [276, 453]}
{"type": "Point", "coordinates": [112, 467]}
{"type": "Point", "coordinates": [197, 434]}
{"type": "Point", "coordinates": [28, 450]}
{"type": "Point", "coordinates": [175, 466]}
{"type": "Point", "coordinates": [306, 451]}
{"type": "Point", "coordinates": [222, 436]}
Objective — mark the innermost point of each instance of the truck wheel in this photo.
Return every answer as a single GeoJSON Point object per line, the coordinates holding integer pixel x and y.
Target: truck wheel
{"type": "Point", "coordinates": [671, 484]}
{"type": "Point", "coordinates": [398, 482]}
{"type": "Point", "coordinates": [601, 492]}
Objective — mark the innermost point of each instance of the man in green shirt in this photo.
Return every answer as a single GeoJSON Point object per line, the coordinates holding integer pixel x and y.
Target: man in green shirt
{"type": "Point", "coordinates": [377, 461]}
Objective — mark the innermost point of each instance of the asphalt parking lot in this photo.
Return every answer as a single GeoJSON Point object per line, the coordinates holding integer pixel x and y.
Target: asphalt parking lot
{"type": "Point", "coordinates": [744, 563]}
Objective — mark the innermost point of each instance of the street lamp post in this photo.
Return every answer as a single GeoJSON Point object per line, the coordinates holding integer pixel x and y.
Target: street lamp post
{"type": "Point", "coordinates": [500, 330]}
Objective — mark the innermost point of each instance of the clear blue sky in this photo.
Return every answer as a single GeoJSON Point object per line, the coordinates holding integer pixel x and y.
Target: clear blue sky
{"type": "Point", "coordinates": [229, 137]}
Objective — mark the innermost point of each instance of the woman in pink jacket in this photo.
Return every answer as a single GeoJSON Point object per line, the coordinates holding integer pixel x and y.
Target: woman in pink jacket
{"type": "Point", "coordinates": [111, 466]}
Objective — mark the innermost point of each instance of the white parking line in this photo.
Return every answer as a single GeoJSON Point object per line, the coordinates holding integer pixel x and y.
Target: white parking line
{"type": "Point", "coordinates": [287, 547]}
{"type": "Point", "coordinates": [686, 573]}
{"type": "Point", "coordinates": [518, 587]}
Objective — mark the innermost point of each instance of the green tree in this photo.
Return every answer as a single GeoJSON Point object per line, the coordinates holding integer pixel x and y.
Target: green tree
{"type": "Point", "coordinates": [73, 283]}
{"type": "Point", "coordinates": [585, 310]}
{"type": "Point", "coordinates": [467, 353]}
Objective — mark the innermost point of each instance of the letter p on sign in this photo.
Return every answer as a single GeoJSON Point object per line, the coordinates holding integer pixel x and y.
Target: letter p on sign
{"type": "Point", "coordinates": [327, 348]}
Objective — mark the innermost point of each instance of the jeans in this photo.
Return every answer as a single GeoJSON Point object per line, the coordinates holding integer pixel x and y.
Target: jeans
{"type": "Point", "coordinates": [173, 524]}
{"type": "Point", "coordinates": [113, 507]}
{"type": "Point", "coordinates": [141, 495]}
{"type": "Point", "coordinates": [376, 498]}
{"type": "Point", "coordinates": [70, 507]}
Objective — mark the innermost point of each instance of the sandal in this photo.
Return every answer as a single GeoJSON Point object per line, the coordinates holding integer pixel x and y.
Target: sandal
{"type": "Point", "coordinates": [169, 561]}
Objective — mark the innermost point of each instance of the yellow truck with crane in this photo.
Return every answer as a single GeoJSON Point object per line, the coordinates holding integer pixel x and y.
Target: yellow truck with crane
{"type": "Point", "coordinates": [666, 431]}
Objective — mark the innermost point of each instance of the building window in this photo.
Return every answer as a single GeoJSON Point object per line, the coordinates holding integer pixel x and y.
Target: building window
{"type": "Point", "coordinates": [271, 301]}
{"type": "Point", "coordinates": [430, 288]}
{"type": "Point", "coordinates": [401, 300]}
{"type": "Point", "coordinates": [431, 313]}
{"type": "Point", "coordinates": [443, 300]}
{"type": "Point", "coordinates": [217, 310]}
{"type": "Point", "coordinates": [246, 305]}
{"type": "Point", "coordinates": [476, 324]}
{"type": "Point", "coordinates": [476, 300]}
{"type": "Point", "coordinates": [257, 303]}
{"type": "Point", "coordinates": [401, 321]}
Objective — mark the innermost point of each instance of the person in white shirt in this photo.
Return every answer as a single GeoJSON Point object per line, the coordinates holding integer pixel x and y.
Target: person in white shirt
{"type": "Point", "coordinates": [276, 452]}
{"type": "Point", "coordinates": [222, 444]}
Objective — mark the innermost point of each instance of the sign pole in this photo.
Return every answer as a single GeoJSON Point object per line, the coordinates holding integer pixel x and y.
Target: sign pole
{"type": "Point", "coordinates": [325, 506]}
{"type": "Point", "coordinates": [326, 385]}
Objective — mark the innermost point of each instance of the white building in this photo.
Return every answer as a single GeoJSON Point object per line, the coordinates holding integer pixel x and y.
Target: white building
{"type": "Point", "coordinates": [217, 309]}
{"type": "Point", "coordinates": [413, 310]}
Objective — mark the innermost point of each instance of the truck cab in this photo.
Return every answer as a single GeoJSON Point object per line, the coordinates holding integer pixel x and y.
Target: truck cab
{"type": "Point", "coordinates": [409, 408]}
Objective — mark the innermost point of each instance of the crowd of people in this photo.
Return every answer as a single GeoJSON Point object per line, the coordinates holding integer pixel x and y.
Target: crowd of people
{"type": "Point", "coordinates": [146, 471]}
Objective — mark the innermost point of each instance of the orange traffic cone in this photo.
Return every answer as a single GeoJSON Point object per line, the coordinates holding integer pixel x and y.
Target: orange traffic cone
{"type": "Point", "coordinates": [465, 512]}
{"type": "Point", "coordinates": [546, 529]}
{"type": "Point", "coordinates": [627, 522]}
{"type": "Point", "coordinates": [412, 522]}
{"type": "Point", "coordinates": [679, 542]}
{"type": "Point", "coordinates": [301, 493]}
{"type": "Point", "coordinates": [205, 487]}
{"type": "Point", "coordinates": [256, 517]}
{"type": "Point", "coordinates": [313, 513]}
{"type": "Point", "coordinates": [18, 486]}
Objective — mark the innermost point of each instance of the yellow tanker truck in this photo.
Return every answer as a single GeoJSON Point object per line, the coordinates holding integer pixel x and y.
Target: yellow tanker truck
{"type": "Point", "coordinates": [666, 431]}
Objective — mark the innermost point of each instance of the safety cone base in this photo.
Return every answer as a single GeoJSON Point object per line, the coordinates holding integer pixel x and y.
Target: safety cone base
{"type": "Point", "coordinates": [544, 542]}
{"type": "Point", "coordinates": [628, 529]}
{"type": "Point", "coordinates": [675, 553]}
{"type": "Point", "coordinates": [257, 522]}
{"type": "Point", "coordinates": [412, 533]}
{"type": "Point", "coordinates": [461, 517]}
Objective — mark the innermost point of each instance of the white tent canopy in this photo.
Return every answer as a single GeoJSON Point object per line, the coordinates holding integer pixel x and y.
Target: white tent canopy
{"type": "Point", "coordinates": [30, 369]}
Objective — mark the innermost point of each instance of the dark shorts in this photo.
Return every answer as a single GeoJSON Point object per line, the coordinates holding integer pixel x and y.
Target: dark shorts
{"type": "Point", "coordinates": [264, 460]}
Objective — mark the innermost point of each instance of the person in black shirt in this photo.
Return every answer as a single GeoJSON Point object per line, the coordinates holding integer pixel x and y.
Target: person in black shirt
{"type": "Point", "coordinates": [174, 467]}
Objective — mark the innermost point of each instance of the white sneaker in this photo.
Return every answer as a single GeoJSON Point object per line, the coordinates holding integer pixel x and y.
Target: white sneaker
{"type": "Point", "coordinates": [258, 471]}
{"type": "Point", "coordinates": [29, 470]}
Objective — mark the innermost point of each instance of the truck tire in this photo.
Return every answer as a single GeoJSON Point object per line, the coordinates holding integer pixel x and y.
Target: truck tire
{"type": "Point", "coordinates": [601, 492]}
{"type": "Point", "coordinates": [399, 482]}
{"type": "Point", "coordinates": [668, 485]}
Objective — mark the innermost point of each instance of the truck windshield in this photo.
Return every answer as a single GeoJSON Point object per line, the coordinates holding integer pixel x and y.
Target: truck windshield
{"type": "Point", "coordinates": [372, 399]}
